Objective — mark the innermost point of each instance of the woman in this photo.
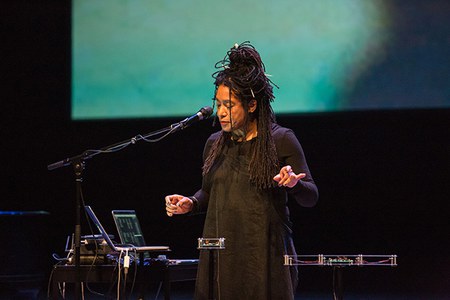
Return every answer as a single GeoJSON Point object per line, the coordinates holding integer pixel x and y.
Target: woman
{"type": "Point", "coordinates": [250, 167]}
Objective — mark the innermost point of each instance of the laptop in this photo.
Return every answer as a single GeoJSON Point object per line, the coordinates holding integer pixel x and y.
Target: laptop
{"type": "Point", "coordinates": [121, 247]}
{"type": "Point", "coordinates": [128, 227]}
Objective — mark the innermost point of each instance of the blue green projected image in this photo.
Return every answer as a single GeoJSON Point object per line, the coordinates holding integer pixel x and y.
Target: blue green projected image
{"type": "Point", "coordinates": [135, 59]}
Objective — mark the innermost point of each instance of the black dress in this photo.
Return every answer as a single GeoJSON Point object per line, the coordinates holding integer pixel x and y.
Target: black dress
{"type": "Point", "coordinates": [255, 223]}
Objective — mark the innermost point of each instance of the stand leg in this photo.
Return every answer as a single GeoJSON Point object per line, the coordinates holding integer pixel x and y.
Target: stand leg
{"type": "Point", "coordinates": [211, 275]}
{"type": "Point", "coordinates": [338, 284]}
{"type": "Point", "coordinates": [78, 168]}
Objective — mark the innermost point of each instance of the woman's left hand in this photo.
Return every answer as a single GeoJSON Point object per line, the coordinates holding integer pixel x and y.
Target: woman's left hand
{"type": "Point", "coordinates": [287, 177]}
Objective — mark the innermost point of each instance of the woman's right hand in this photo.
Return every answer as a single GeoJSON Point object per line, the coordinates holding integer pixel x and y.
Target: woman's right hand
{"type": "Point", "coordinates": [178, 204]}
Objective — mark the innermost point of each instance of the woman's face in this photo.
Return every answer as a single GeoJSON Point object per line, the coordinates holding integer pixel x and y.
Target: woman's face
{"type": "Point", "coordinates": [226, 103]}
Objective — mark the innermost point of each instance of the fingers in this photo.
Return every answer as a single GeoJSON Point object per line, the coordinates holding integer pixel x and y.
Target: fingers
{"type": "Point", "coordinates": [171, 204]}
{"type": "Point", "coordinates": [177, 204]}
{"type": "Point", "coordinates": [301, 175]}
{"type": "Point", "coordinates": [284, 176]}
{"type": "Point", "coordinates": [169, 209]}
{"type": "Point", "coordinates": [173, 199]}
{"type": "Point", "coordinates": [287, 177]}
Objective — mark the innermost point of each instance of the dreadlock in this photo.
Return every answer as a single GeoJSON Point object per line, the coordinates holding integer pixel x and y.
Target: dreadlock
{"type": "Point", "coordinates": [243, 72]}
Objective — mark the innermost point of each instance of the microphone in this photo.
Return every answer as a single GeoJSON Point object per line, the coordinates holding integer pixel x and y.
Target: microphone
{"type": "Point", "coordinates": [203, 113]}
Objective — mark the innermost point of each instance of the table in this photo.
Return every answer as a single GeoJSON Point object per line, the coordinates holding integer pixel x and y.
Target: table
{"type": "Point", "coordinates": [165, 273]}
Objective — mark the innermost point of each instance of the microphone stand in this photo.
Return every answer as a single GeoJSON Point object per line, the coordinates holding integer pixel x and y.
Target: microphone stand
{"type": "Point", "coordinates": [78, 163]}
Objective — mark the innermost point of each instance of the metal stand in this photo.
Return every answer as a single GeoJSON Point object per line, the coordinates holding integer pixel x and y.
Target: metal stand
{"type": "Point", "coordinates": [212, 245]}
{"type": "Point", "coordinates": [338, 262]}
{"type": "Point", "coordinates": [338, 284]}
{"type": "Point", "coordinates": [78, 168]}
{"type": "Point", "coordinates": [211, 275]}
{"type": "Point", "coordinates": [78, 163]}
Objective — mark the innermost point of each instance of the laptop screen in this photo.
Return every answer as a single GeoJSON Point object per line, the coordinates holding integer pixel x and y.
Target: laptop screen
{"type": "Point", "coordinates": [99, 226]}
{"type": "Point", "coordinates": [128, 227]}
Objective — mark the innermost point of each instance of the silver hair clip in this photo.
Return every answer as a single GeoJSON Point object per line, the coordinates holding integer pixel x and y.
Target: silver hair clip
{"type": "Point", "coordinates": [223, 66]}
{"type": "Point", "coordinates": [251, 90]}
{"type": "Point", "coordinates": [236, 46]}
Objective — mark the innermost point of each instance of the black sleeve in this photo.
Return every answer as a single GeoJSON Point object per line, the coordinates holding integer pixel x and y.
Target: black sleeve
{"type": "Point", "coordinates": [290, 152]}
{"type": "Point", "coordinates": [201, 197]}
{"type": "Point", "coordinates": [200, 200]}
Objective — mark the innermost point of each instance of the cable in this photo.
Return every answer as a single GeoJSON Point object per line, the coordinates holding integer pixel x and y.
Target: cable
{"type": "Point", "coordinates": [158, 290]}
{"type": "Point", "coordinates": [50, 281]}
{"type": "Point", "coordinates": [135, 272]}
{"type": "Point", "coordinates": [91, 267]}
{"type": "Point", "coordinates": [113, 280]}
{"type": "Point", "coordinates": [119, 275]}
{"type": "Point", "coordinates": [82, 290]}
{"type": "Point", "coordinates": [126, 265]}
{"type": "Point", "coordinates": [114, 148]}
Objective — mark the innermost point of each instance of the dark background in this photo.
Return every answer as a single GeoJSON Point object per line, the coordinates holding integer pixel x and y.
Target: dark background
{"type": "Point", "coordinates": [382, 175]}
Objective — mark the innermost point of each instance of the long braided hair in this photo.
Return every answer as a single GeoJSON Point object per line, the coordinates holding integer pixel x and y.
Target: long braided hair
{"type": "Point", "coordinates": [243, 72]}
